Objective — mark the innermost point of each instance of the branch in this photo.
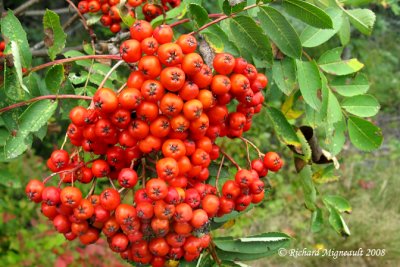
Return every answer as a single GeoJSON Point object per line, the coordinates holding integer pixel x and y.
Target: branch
{"type": "Point", "coordinates": [44, 52]}
{"type": "Point", "coordinates": [218, 174]}
{"type": "Point", "coordinates": [21, 9]}
{"type": "Point", "coordinates": [33, 13]}
{"type": "Point", "coordinates": [119, 63]}
{"type": "Point", "coordinates": [45, 180]}
{"type": "Point", "coordinates": [230, 159]}
{"type": "Point", "coordinates": [205, 26]}
{"type": "Point", "coordinates": [179, 22]}
{"type": "Point", "coordinates": [84, 22]}
{"type": "Point", "coordinates": [23, 103]}
{"type": "Point", "coordinates": [248, 142]}
{"type": "Point", "coordinates": [72, 59]}
{"type": "Point", "coordinates": [67, 24]}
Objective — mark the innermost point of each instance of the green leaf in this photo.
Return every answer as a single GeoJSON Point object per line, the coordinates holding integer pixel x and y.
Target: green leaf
{"type": "Point", "coordinates": [344, 32]}
{"type": "Point", "coordinates": [280, 31]}
{"type": "Point", "coordinates": [16, 145]}
{"type": "Point", "coordinates": [346, 86]}
{"type": "Point", "coordinates": [236, 7]}
{"type": "Point", "coordinates": [363, 134]}
{"type": "Point", "coordinates": [310, 194]}
{"type": "Point", "coordinates": [248, 35]}
{"type": "Point", "coordinates": [3, 136]}
{"type": "Point", "coordinates": [55, 36]}
{"type": "Point", "coordinates": [103, 70]}
{"type": "Point", "coordinates": [325, 175]}
{"type": "Point", "coordinates": [33, 118]}
{"type": "Point", "coordinates": [283, 128]}
{"type": "Point", "coordinates": [36, 115]}
{"type": "Point", "coordinates": [305, 146]}
{"type": "Point", "coordinates": [10, 118]}
{"type": "Point", "coordinates": [54, 78]}
{"type": "Point", "coordinates": [337, 139]}
{"type": "Point", "coordinates": [311, 36]}
{"type": "Point", "coordinates": [11, 85]}
{"type": "Point", "coordinates": [309, 82]}
{"type": "Point", "coordinates": [17, 64]}
{"type": "Point", "coordinates": [361, 105]}
{"type": "Point", "coordinates": [93, 18]}
{"type": "Point", "coordinates": [337, 221]}
{"type": "Point", "coordinates": [214, 41]}
{"type": "Point", "coordinates": [88, 49]}
{"type": "Point", "coordinates": [198, 15]}
{"type": "Point", "coordinates": [331, 111]}
{"type": "Point", "coordinates": [125, 14]}
{"type": "Point", "coordinates": [316, 221]}
{"type": "Point", "coordinates": [362, 19]}
{"type": "Point", "coordinates": [284, 75]}
{"type": "Point", "coordinates": [223, 34]}
{"type": "Point", "coordinates": [334, 112]}
{"type": "Point", "coordinates": [254, 11]}
{"type": "Point", "coordinates": [12, 30]}
{"type": "Point", "coordinates": [97, 79]}
{"type": "Point", "coordinates": [338, 202]}
{"type": "Point", "coordinates": [78, 78]}
{"type": "Point", "coordinates": [175, 13]}
{"type": "Point", "coordinates": [331, 63]}
{"type": "Point", "coordinates": [35, 84]}
{"type": "Point", "coordinates": [262, 243]}
{"type": "Point", "coordinates": [74, 53]}
{"type": "Point", "coordinates": [308, 13]}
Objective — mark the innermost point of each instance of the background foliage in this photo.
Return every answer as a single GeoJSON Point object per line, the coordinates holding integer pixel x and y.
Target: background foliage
{"type": "Point", "coordinates": [367, 181]}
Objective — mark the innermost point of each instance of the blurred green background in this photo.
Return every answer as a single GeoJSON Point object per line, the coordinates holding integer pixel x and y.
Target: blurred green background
{"type": "Point", "coordinates": [370, 181]}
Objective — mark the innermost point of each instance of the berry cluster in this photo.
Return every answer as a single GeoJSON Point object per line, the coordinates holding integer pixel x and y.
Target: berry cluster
{"type": "Point", "coordinates": [111, 15]}
{"type": "Point", "coordinates": [165, 121]}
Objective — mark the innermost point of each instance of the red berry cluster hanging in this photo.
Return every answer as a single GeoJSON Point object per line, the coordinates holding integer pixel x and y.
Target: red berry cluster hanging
{"type": "Point", "coordinates": [111, 15]}
{"type": "Point", "coordinates": [165, 122]}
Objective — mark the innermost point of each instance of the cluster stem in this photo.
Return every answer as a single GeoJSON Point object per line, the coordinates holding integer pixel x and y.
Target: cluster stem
{"type": "Point", "coordinates": [230, 159]}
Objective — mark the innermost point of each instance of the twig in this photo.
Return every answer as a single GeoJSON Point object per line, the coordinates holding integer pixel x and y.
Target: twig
{"type": "Point", "coordinates": [84, 22]}
{"type": "Point", "coordinates": [92, 188]}
{"type": "Point", "coordinates": [205, 26]}
{"type": "Point", "coordinates": [213, 252]}
{"type": "Point", "coordinates": [72, 59]}
{"type": "Point", "coordinates": [45, 180]}
{"type": "Point", "coordinates": [70, 21]}
{"type": "Point", "coordinates": [151, 160]}
{"type": "Point", "coordinates": [230, 159]}
{"type": "Point", "coordinates": [143, 173]}
{"type": "Point", "coordinates": [307, 55]}
{"type": "Point", "coordinates": [33, 13]}
{"type": "Point", "coordinates": [23, 103]}
{"type": "Point", "coordinates": [151, 168]}
{"type": "Point", "coordinates": [122, 88]}
{"type": "Point", "coordinates": [110, 72]}
{"type": "Point", "coordinates": [112, 183]}
{"type": "Point", "coordinates": [247, 141]}
{"type": "Point", "coordinates": [65, 141]}
{"type": "Point", "coordinates": [132, 163]}
{"type": "Point", "coordinates": [21, 9]}
{"type": "Point", "coordinates": [218, 173]}
{"type": "Point", "coordinates": [248, 154]}
{"type": "Point", "coordinates": [64, 26]}
{"type": "Point", "coordinates": [179, 22]}
{"type": "Point", "coordinates": [44, 52]}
